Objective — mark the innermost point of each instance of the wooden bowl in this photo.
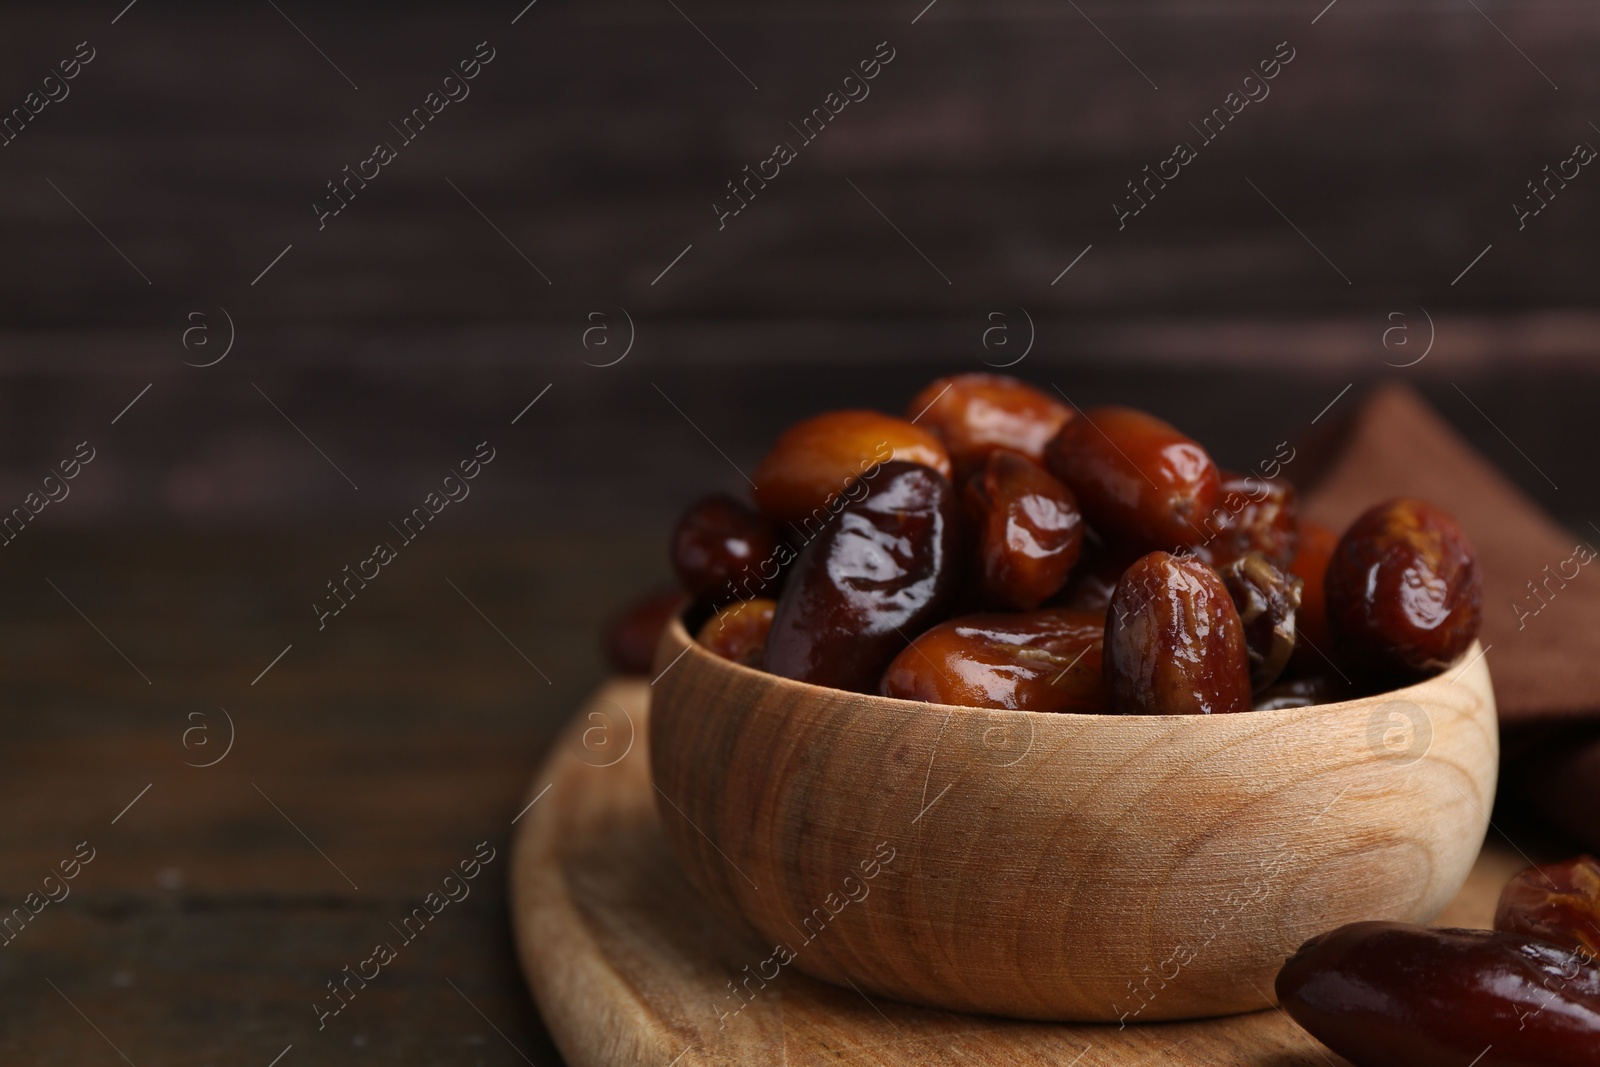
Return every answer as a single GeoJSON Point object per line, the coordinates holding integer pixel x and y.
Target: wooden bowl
{"type": "Point", "coordinates": [1064, 867]}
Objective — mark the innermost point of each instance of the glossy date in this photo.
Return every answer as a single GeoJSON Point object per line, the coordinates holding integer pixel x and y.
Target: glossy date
{"type": "Point", "coordinates": [882, 570]}
{"type": "Point", "coordinates": [1174, 643]}
{"type": "Point", "coordinates": [1403, 591]}
{"type": "Point", "coordinates": [1027, 531]}
{"type": "Point", "coordinates": [721, 541]}
{"type": "Point", "coordinates": [1386, 994]}
{"type": "Point", "coordinates": [1137, 479]}
{"type": "Point", "coordinates": [1254, 515]}
{"type": "Point", "coordinates": [1045, 660]}
{"type": "Point", "coordinates": [974, 414]}
{"type": "Point", "coordinates": [1555, 902]}
{"type": "Point", "coordinates": [1313, 549]}
{"type": "Point", "coordinates": [803, 479]}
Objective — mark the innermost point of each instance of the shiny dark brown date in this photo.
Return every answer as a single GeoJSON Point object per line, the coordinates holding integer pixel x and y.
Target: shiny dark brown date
{"type": "Point", "coordinates": [721, 544]}
{"type": "Point", "coordinates": [1138, 480]}
{"type": "Point", "coordinates": [1387, 994]}
{"type": "Point", "coordinates": [1403, 591]}
{"type": "Point", "coordinates": [630, 636]}
{"type": "Point", "coordinates": [1027, 531]}
{"type": "Point", "coordinates": [1555, 902]}
{"type": "Point", "coordinates": [739, 631]}
{"type": "Point", "coordinates": [1266, 599]}
{"type": "Point", "coordinates": [1174, 643]}
{"type": "Point", "coordinates": [1045, 660]}
{"type": "Point", "coordinates": [884, 569]}
{"type": "Point", "coordinates": [1253, 515]}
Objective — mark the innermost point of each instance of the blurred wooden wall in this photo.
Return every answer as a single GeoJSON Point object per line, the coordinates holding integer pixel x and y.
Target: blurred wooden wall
{"type": "Point", "coordinates": [588, 155]}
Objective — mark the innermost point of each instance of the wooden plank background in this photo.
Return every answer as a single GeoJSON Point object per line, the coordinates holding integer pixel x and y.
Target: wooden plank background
{"type": "Point", "coordinates": [593, 145]}
{"type": "Point", "coordinates": [997, 140]}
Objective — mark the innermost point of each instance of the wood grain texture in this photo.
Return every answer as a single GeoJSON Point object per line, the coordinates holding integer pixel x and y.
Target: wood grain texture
{"type": "Point", "coordinates": [997, 140]}
{"type": "Point", "coordinates": [1082, 867]}
{"type": "Point", "coordinates": [396, 739]}
{"type": "Point", "coordinates": [630, 965]}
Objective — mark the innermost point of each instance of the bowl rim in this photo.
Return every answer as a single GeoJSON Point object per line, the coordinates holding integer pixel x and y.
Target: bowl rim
{"type": "Point", "coordinates": [678, 633]}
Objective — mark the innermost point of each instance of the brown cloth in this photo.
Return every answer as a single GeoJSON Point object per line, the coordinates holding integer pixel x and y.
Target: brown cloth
{"type": "Point", "coordinates": [1544, 646]}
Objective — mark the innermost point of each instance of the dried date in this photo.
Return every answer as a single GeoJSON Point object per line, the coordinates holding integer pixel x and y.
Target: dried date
{"type": "Point", "coordinates": [739, 631]}
{"type": "Point", "coordinates": [1174, 643]}
{"type": "Point", "coordinates": [884, 569]}
{"type": "Point", "coordinates": [719, 541]}
{"type": "Point", "coordinates": [803, 479]}
{"type": "Point", "coordinates": [1312, 642]}
{"type": "Point", "coordinates": [1266, 599]}
{"type": "Point", "coordinates": [1403, 591]}
{"type": "Point", "coordinates": [1555, 902]}
{"type": "Point", "coordinates": [1137, 479]}
{"type": "Point", "coordinates": [629, 638]}
{"type": "Point", "coordinates": [1254, 515]}
{"type": "Point", "coordinates": [1027, 531]}
{"type": "Point", "coordinates": [1385, 994]}
{"type": "Point", "coordinates": [1045, 660]}
{"type": "Point", "coordinates": [974, 414]}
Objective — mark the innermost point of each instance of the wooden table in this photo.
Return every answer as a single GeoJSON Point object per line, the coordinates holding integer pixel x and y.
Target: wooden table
{"type": "Point", "coordinates": [369, 760]}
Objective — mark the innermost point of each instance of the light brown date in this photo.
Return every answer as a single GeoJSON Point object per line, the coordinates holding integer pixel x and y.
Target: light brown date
{"type": "Point", "coordinates": [1555, 902]}
{"type": "Point", "coordinates": [1174, 643]}
{"type": "Point", "coordinates": [739, 631]}
{"type": "Point", "coordinates": [1137, 479]}
{"type": "Point", "coordinates": [803, 479]}
{"type": "Point", "coordinates": [1046, 660]}
{"type": "Point", "coordinates": [974, 414]}
{"type": "Point", "coordinates": [1026, 529]}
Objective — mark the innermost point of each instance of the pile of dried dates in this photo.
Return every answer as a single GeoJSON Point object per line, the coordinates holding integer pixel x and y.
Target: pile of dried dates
{"type": "Point", "coordinates": [997, 548]}
{"type": "Point", "coordinates": [1527, 992]}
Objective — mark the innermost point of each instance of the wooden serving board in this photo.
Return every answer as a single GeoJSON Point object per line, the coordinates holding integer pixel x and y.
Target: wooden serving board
{"type": "Point", "coordinates": [630, 968]}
